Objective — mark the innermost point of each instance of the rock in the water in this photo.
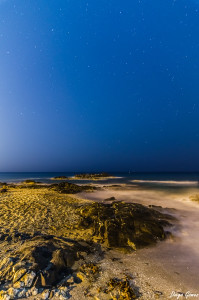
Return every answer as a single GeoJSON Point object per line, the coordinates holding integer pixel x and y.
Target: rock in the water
{"type": "Point", "coordinates": [92, 176]}
{"type": "Point", "coordinates": [110, 199]}
{"type": "Point", "coordinates": [59, 178]}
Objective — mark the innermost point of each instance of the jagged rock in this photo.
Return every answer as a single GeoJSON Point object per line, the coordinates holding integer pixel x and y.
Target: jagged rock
{"type": "Point", "coordinates": [45, 294]}
{"type": "Point", "coordinates": [22, 293]}
{"type": "Point", "coordinates": [123, 225]}
{"type": "Point", "coordinates": [4, 190]}
{"type": "Point", "coordinates": [4, 295]}
{"type": "Point", "coordinates": [28, 279]}
{"type": "Point", "coordinates": [6, 268]}
{"type": "Point", "coordinates": [18, 274]}
{"type": "Point", "coordinates": [12, 292]}
{"type": "Point", "coordinates": [40, 262]}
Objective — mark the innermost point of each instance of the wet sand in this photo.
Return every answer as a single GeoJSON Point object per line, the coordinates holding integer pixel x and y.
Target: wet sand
{"type": "Point", "coordinates": [172, 265]}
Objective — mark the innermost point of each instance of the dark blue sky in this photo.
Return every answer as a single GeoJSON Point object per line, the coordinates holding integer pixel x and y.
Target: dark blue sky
{"type": "Point", "coordinates": [99, 85]}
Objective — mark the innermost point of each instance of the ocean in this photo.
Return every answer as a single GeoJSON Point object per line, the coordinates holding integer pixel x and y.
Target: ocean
{"type": "Point", "coordinates": [155, 180]}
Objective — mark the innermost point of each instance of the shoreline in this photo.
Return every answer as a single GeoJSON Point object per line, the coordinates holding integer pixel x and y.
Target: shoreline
{"type": "Point", "coordinates": [177, 258]}
{"type": "Point", "coordinates": [157, 271]}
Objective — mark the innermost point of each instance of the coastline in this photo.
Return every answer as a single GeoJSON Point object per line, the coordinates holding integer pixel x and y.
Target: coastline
{"type": "Point", "coordinates": [156, 271]}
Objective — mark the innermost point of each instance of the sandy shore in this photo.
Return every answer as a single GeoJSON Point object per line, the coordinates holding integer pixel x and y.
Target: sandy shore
{"type": "Point", "coordinates": [172, 265]}
{"type": "Point", "coordinates": [157, 272]}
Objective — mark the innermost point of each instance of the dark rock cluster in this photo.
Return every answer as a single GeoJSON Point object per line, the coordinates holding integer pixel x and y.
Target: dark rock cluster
{"type": "Point", "coordinates": [92, 176]}
{"type": "Point", "coordinates": [123, 225]}
{"type": "Point", "coordinates": [69, 188]}
{"type": "Point", "coordinates": [121, 289]}
{"type": "Point", "coordinates": [59, 178]}
{"type": "Point", "coordinates": [41, 263]}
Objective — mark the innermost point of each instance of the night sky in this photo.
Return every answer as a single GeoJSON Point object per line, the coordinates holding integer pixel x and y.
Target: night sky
{"type": "Point", "coordinates": [99, 85]}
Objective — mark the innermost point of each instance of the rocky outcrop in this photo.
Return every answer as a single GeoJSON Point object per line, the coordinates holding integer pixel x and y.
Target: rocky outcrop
{"type": "Point", "coordinates": [62, 187]}
{"type": "Point", "coordinates": [123, 225]}
{"type": "Point", "coordinates": [41, 264]}
{"type": "Point", "coordinates": [70, 188]}
{"type": "Point", "coordinates": [59, 178]}
{"type": "Point", "coordinates": [92, 176]}
{"type": "Point", "coordinates": [29, 181]}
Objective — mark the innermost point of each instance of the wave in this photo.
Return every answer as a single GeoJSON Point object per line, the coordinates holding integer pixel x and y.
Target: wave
{"type": "Point", "coordinates": [167, 182]}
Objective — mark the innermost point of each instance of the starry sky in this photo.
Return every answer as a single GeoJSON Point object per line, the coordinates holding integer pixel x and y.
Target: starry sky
{"type": "Point", "coordinates": [99, 85]}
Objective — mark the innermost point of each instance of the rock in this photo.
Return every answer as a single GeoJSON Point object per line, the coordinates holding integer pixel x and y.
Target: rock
{"type": "Point", "coordinates": [19, 265]}
{"type": "Point", "coordinates": [4, 296]}
{"type": "Point", "coordinates": [40, 262]}
{"type": "Point", "coordinates": [45, 294]}
{"type": "Point", "coordinates": [28, 293]}
{"type": "Point", "coordinates": [89, 269]}
{"type": "Point", "coordinates": [19, 284]}
{"type": "Point", "coordinates": [80, 277]}
{"type": "Point", "coordinates": [28, 279]}
{"type": "Point", "coordinates": [3, 190]}
{"type": "Point", "coordinates": [18, 274]}
{"type": "Point", "coordinates": [29, 181]}
{"type": "Point", "coordinates": [110, 199]}
{"type": "Point", "coordinates": [59, 178]}
{"type": "Point", "coordinates": [22, 293]}
{"type": "Point", "coordinates": [92, 176]}
{"type": "Point", "coordinates": [6, 266]}
{"type": "Point", "coordinates": [12, 292]}
{"type": "Point", "coordinates": [121, 289]}
{"type": "Point", "coordinates": [52, 293]}
{"type": "Point", "coordinates": [70, 279]}
{"type": "Point", "coordinates": [123, 225]}
{"type": "Point", "coordinates": [34, 291]}
{"type": "Point", "coordinates": [69, 188]}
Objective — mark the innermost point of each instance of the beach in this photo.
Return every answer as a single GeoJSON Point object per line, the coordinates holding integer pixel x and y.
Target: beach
{"type": "Point", "coordinates": [165, 270]}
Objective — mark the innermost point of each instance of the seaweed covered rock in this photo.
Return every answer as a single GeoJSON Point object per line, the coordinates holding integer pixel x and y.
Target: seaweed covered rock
{"type": "Point", "coordinates": [121, 289]}
{"type": "Point", "coordinates": [69, 188]}
{"type": "Point", "coordinates": [88, 271]}
{"type": "Point", "coordinates": [123, 225]}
